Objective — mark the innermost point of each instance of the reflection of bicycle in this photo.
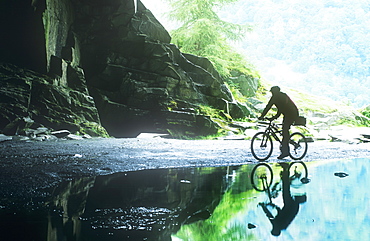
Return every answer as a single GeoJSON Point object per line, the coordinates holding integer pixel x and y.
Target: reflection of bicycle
{"type": "Point", "coordinates": [280, 216]}
{"type": "Point", "coordinates": [262, 176]}
{"type": "Point", "coordinates": [261, 144]}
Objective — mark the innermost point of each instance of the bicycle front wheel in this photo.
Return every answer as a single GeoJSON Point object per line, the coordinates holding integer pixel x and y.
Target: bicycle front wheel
{"type": "Point", "coordinates": [297, 146]}
{"type": "Point", "coordinates": [261, 177]}
{"type": "Point", "coordinates": [261, 146]}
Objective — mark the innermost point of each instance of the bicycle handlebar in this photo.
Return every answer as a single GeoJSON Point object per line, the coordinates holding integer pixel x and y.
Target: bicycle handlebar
{"type": "Point", "coordinates": [270, 119]}
{"type": "Point", "coordinates": [264, 123]}
{"type": "Point", "coordinates": [269, 122]}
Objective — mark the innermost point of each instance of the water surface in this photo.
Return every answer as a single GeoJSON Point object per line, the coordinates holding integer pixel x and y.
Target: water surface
{"type": "Point", "coordinates": [337, 207]}
{"type": "Point", "coordinates": [209, 203]}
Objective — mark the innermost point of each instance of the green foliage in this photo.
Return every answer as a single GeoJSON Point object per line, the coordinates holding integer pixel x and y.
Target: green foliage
{"type": "Point", "coordinates": [93, 129]}
{"type": "Point", "coordinates": [351, 122]}
{"type": "Point", "coordinates": [210, 111]}
{"type": "Point", "coordinates": [222, 224]}
{"type": "Point", "coordinates": [356, 120]}
{"type": "Point", "coordinates": [312, 103]}
{"type": "Point", "coordinates": [220, 116]}
{"type": "Point", "coordinates": [219, 134]}
{"type": "Point", "coordinates": [204, 34]}
{"type": "Point", "coordinates": [234, 88]}
{"type": "Point", "coordinates": [366, 112]}
{"type": "Point", "coordinates": [324, 43]}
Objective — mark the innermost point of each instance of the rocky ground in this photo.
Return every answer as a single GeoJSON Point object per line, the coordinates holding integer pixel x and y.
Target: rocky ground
{"type": "Point", "coordinates": [28, 167]}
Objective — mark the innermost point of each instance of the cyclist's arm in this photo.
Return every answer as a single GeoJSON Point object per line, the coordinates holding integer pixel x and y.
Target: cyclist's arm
{"type": "Point", "coordinates": [277, 115]}
{"type": "Point", "coordinates": [267, 108]}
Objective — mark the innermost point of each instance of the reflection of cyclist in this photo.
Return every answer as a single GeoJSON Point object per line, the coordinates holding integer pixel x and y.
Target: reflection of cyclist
{"type": "Point", "coordinates": [286, 107]}
{"type": "Point", "coordinates": [290, 209]}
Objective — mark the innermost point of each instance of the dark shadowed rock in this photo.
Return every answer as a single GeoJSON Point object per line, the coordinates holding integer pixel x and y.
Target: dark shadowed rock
{"type": "Point", "coordinates": [341, 174]}
{"type": "Point", "coordinates": [110, 63]}
{"type": "Point", "coordinates": [31, 101]}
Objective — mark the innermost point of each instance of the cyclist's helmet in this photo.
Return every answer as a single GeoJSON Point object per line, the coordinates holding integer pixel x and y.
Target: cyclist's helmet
{"type": "Point", "coordinates": [275, 89]}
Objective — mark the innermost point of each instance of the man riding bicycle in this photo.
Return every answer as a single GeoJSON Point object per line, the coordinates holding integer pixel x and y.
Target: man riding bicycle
{"type": "Point", "coordinates": [286, 107]}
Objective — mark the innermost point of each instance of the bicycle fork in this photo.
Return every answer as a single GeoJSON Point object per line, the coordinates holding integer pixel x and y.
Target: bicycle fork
{"type": "Point", "coordinates": [265, 186]}
{"type": "Point", "coordinates": [265, 139]}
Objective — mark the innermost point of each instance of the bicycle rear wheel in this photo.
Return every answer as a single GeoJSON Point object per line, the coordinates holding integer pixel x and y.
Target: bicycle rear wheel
{"type": "Point", "coordinates": [297, 146]}
{"type": "Point", "coordinates": [261, 146]}
{"type": "Point", "coordinates": [261, 177]}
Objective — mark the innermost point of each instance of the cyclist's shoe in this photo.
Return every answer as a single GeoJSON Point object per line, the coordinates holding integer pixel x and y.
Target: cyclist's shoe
{"type": "Point", "coordinates": [283, 155]}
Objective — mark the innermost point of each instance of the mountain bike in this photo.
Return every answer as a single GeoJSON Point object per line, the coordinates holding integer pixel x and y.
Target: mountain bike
{"type": "Point", "coordinates": [262, 145]}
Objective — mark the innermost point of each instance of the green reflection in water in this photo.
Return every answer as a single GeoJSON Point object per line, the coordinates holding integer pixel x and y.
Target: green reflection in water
{"type": "Point", "coordinates": [337, 207]}
{"type": "Point", "coordinates": [221, 225]}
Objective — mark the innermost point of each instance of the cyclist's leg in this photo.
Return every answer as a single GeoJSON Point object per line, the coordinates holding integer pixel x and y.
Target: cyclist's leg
{"type": "Point", "coordinates": [287, 122]}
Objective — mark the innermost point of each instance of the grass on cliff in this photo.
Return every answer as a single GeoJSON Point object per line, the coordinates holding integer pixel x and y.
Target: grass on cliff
{"type": "Point", "coordinates": [308, 104]}
{"type": "Point", "coordinates": [311, 103]}
{"type": "Point", "coordinates": [304, 101]}
{"type": "Point", "coordinates": [318, 105]}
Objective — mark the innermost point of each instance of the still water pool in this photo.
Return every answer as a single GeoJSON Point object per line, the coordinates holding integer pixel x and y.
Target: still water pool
{"type": "Point", "coordinates": [336, 207]}
{"type": "Point", "coordinates": [210, 203]}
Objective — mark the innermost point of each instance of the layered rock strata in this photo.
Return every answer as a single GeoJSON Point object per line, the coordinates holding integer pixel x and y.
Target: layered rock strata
{"type": "Point", "coordinates": [117, 53]}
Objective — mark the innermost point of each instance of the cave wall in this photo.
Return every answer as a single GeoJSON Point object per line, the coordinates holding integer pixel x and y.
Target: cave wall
{"type": "Point", "coordinates": [40, 86]}
{"type": "Point", "coordinates": [22, 38]}
{"type": "Point", "coordinates": [119, 54]}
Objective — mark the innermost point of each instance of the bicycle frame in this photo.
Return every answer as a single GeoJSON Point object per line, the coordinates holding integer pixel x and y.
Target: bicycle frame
{"type": "Point", "coordinates": [272, 129]}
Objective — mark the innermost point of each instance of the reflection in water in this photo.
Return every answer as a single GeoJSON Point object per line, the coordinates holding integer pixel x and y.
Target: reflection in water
{"type": "Point", "coordinates": [335, 207]}
{"type": "Point", "coordinates": [220, 203]}
{"type": "Point", "coordinates": [143, 205]}
{"type": "Point", "coordinates": [284, 215]}
{"type": "Point", "coordinates": [244, 207]}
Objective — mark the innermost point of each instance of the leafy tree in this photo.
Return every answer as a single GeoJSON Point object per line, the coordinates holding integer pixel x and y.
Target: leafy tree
{"type": "Point", "coordinates": [203, 33]}
{"type": "Point", "coordinates": [325, 42]}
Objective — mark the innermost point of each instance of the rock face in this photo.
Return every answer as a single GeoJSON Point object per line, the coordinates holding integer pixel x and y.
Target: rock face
{"type": "Point", "coordinates": [116, 52]}
{"type": "Point", "coordinates": [30, 100]}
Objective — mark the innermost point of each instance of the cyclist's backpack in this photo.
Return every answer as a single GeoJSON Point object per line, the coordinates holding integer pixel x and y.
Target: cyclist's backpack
{"type": "Point", "coordinates": [300, 121]}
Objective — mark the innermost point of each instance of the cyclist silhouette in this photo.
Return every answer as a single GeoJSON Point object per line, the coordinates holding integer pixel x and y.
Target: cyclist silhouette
{"type": "Point", "coordinates": [286, 107]}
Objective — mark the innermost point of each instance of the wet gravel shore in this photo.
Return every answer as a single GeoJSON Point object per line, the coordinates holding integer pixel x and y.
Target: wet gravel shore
{"type": "Point", "coordinates": [28, 167]}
